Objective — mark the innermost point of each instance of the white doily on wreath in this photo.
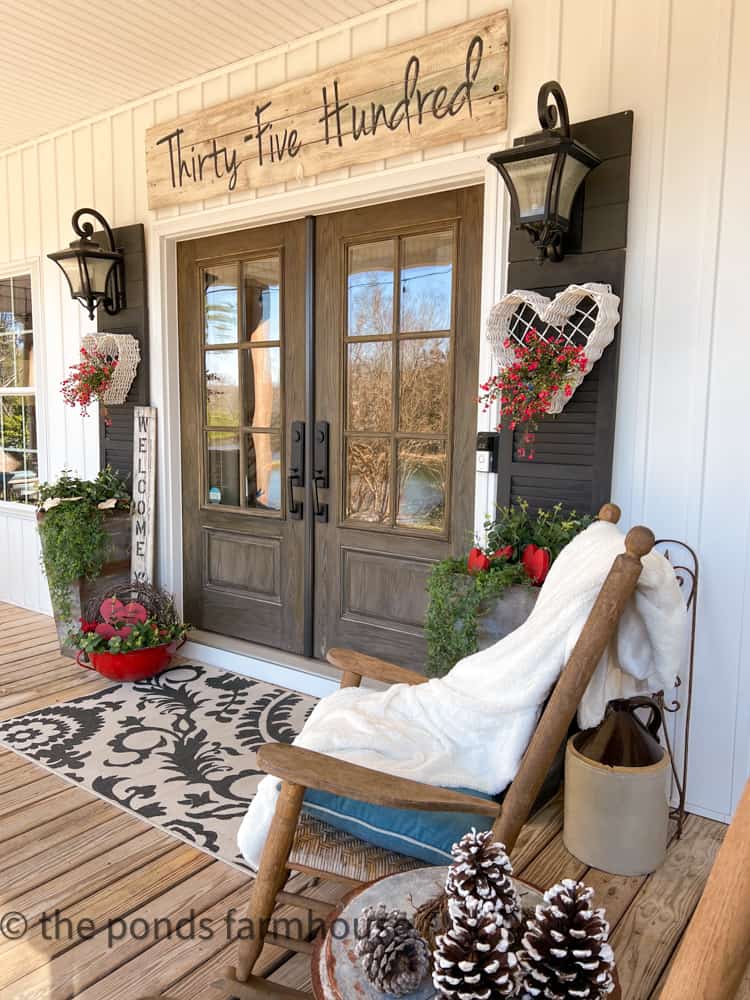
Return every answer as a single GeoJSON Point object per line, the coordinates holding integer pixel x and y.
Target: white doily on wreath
{"type": "Point", "coordinates": [126, 349]}
{"type": "Point", "coordinates": [584, 315]}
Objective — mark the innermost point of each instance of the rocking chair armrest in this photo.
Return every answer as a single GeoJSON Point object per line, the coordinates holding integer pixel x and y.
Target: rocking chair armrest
{"type": "Point", "coordinates": [354, 666]}
{"type": "Point", "coordinates": [329, 774]}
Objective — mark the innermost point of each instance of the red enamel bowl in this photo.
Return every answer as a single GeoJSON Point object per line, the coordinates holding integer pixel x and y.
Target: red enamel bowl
{"type": "Point", "coordinates": [136, 665]}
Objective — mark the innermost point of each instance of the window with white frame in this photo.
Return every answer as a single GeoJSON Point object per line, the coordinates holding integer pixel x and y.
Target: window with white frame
{"type": "Point", "coordinates": [19, 461]}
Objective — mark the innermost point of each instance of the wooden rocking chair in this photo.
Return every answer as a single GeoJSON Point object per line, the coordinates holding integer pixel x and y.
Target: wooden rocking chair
{"type": "Point", "coordinates": [297, 842]}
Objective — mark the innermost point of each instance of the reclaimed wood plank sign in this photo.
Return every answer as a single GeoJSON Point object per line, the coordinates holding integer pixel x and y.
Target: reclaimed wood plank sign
{"type": "Point", "coordinates": [447, 86]}
{"type": "Point", "coordinates": [144, 494]}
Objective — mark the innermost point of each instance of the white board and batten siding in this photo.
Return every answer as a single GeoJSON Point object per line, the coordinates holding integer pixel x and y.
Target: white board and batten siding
{"type": "Point", "coordinates": [679, 459]}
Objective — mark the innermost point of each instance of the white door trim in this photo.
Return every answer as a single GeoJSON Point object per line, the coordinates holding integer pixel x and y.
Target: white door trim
{"type": "Point", "coordinates": [423, 177]}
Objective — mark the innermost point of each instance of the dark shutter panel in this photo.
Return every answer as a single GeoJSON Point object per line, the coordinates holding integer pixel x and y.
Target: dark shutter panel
{"type": "Point", "coordinates": [116, 442]}
{"type": "Point", "coordinates": [573, 451]}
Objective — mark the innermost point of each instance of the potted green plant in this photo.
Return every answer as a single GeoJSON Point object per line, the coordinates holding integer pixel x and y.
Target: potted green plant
{"type": "Point", "coordinates": [129, 633]}
{"type": "Point", "coordinates": [84, 528]}
{"type": "Point", "coordinates": [478, 599]}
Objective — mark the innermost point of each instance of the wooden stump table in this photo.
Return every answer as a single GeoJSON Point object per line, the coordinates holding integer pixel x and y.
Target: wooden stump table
{"type": "Point", "coordinates": [336, 972]}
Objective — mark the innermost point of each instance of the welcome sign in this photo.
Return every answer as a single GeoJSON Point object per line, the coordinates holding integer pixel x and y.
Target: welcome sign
{"type": "Point", "coordinates": [447, 86]}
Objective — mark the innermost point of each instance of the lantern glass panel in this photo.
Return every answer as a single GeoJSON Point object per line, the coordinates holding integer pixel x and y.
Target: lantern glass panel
{"type": "Point", "coordinates": [530, 178]}
{"type": "Point", "coordinates": [99, 268]}
{"type": "Point", "coordinates": [573, 173]}
{"type": "Point", "coordinates": [71, 268]}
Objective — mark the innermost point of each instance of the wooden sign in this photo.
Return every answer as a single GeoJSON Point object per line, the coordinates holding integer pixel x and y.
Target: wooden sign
{"type": "Point", "coordinates": [444, 87]}
{"type": "Point", "coordinates": [144, 494]}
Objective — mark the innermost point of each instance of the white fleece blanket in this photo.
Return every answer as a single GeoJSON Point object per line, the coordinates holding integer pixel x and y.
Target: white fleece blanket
{"type": "Point", "coordinates": [470, 728]}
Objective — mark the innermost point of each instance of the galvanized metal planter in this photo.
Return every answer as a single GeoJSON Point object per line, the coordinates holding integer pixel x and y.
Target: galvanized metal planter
{"type": "Point", "coordinates": [115, 571]}
{"type": "Point", "coordinates": [502, 615]}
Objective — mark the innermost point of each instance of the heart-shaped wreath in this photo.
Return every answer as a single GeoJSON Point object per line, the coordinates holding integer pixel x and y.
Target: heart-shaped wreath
{"type": "Point", "coordinates": [581, 317]}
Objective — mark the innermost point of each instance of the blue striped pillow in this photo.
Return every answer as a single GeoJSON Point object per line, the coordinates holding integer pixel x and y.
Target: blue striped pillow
{"type": "Point", "coordinates": [427, 836]}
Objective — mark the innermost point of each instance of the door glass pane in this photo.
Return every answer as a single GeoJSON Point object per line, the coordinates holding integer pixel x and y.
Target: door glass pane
{"type": "Point", "coordinates": [222, 389]}
{"type": "Point", "coordinates": [262, 386]}
{"type": "Point", "coordinates": [426, 282]}
{"type": "Point", "coordinates": [261, 279]}
{"type": "Point", "coordinates": [368, 480]}
{"type": "Point", "coordinates": [220, 304]}
{"type": "Point", "coordinates": [422, 484]}
{"type": "Point", "coordinates": [423, 385]}
{"type": "Point", "coordinates": [369, 386]}
{"type": "Point", "coordinates": [370, 289]}
{"type": "Point", "coordinates": [223, 479]}
{"type": "Point", "coordinates": [263, 471]}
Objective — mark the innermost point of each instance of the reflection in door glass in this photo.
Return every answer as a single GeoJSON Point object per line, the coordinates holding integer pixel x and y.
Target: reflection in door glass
{"type": "Point", "coordinates": [370, 289]}
{"type": "Point", "coordinates": [368, 479]}
{"type": "Point", "coordinates": [263, 471]}
{"type": "Point", "coordinates": [261, 280]}
{"type": "Point", "coordinates": [421, 484]}
{"type": "Point", "coordinates": [426, 282]}
{"type": "Point", "coordinates": [220, 304]}
{"type": "Point", "coordinates": [369, 386]}
{"type": "Point", "coordinates": [222, 389]}
{"type": "Point", "coordinates": [262, 386]}
{"type": "Point", "coordinates": [223, 479]}
{"type": "Point", "coordinates": [423, 385]}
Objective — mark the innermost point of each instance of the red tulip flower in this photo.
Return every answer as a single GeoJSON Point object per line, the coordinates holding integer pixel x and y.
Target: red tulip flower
{"type": "Point", "coordinates": [477, 561]}
{"type": "Point", "coordinates": [536, 562]}
{"type": "Point", "coordinates": [506, 552]}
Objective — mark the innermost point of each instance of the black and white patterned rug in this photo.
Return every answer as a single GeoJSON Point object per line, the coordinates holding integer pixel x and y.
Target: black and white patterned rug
{"type": "Point", "coordinates": [178, 750]}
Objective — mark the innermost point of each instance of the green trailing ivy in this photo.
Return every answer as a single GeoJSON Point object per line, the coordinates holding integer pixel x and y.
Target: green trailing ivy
{"type": "Point", "coordinates": [456, 595]}
{"type": "Point", "coordinates": [74, 539]}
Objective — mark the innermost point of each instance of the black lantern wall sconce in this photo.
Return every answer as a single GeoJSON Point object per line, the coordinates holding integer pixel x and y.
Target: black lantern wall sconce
{"type": "Point", "coordinates": [95, 274]}
{"type": "Point", "coordinates": [543, 174]}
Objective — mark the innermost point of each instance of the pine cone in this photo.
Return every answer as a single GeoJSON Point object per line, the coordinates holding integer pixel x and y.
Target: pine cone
{"type": "Point", "coordinates": [565, 951]}
{"type": "Point", "coordinates": [395, 958]}
{"type": "Point", "coordinates": [474, 960]}
{"type": "Point", "coordinates": [481, 870]}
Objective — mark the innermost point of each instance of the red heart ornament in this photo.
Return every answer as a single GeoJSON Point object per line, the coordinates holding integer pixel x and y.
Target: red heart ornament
{"type": "Point", "coordinates": [133, 613]}
{"type": "Point", "coordinates": [536, 562]}
{"type": "Point", "coordinates": [506, 552]}
{"type": "Point", "coordinates": [111, 609]}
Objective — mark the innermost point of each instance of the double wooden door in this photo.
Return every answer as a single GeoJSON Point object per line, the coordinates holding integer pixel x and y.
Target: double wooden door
{"type": "Point", "coordinates": [327, 450]}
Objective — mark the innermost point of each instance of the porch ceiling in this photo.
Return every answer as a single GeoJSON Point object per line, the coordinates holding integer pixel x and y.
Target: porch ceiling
{"type": "Point", "coordinates": [67, 60]}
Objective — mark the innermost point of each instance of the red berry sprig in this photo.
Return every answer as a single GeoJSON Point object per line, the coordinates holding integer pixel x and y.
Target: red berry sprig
{"type": "Point", "coordinates": [88, 380]}
{"type": "Point", "coordinates": [525, 388]}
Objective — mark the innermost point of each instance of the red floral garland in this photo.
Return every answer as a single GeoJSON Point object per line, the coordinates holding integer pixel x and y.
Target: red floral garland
{"type": "Point", "coordinates": [526, 388]}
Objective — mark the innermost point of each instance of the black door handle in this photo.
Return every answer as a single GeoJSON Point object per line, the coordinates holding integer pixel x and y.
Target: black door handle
{"type": "Point", "coordinates": [296, 476]}
{"type": "Point", "coordinates": [320, 468]}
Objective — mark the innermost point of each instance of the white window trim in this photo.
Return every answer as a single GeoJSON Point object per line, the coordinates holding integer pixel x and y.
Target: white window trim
{"type": "Point", "coordinates": [13, 269]}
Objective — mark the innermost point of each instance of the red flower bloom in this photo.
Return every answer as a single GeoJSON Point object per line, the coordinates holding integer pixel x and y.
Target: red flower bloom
{"type": "Point", "coordinates": [87, 626]}
{"type": "Point", "coordinates": [536, 562]}
{"type": "Point", "coordinates": [477, 561]}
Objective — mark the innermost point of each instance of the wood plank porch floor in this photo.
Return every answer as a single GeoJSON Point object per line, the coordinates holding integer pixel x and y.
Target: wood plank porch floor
{"type": "Point", "coordinates": [65, 851]}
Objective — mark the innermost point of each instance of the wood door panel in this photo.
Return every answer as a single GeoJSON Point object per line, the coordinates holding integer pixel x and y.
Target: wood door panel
{"type": "Point", "coordinates": [242, 384]}
{"type": "Point", "coordinates": [374, 555]}
{"type": "Point", "coordinates": [242, 565]}
{"type": "Point", "coordinates": [384, 589]}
